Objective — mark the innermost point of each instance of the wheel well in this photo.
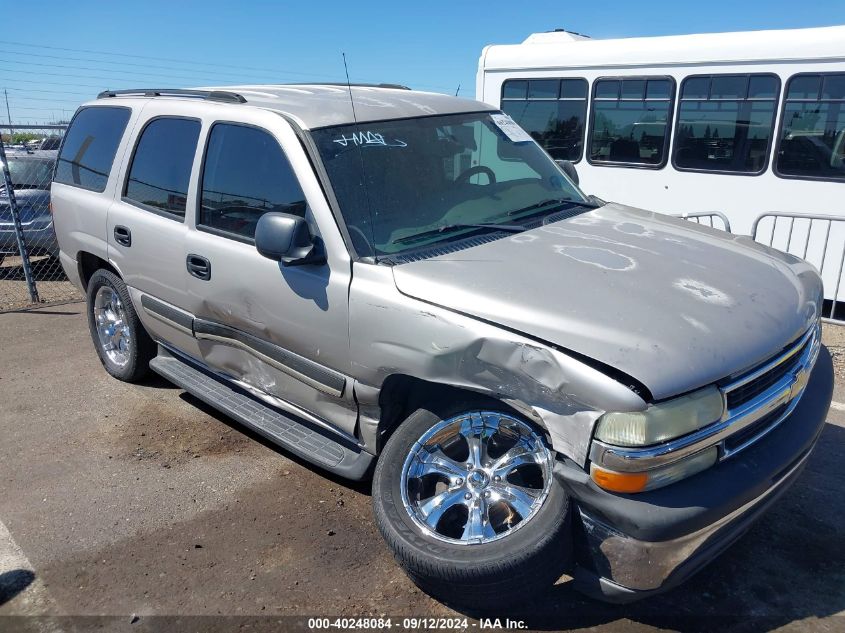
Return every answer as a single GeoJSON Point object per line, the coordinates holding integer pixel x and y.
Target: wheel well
{"type": "Point", "coordinates": [89, 264]}
{"type": "Point", "coordinates": [401, 395]}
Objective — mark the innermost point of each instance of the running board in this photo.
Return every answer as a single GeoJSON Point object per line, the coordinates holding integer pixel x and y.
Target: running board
{"type": "Point", "coordinates": [298, 436]}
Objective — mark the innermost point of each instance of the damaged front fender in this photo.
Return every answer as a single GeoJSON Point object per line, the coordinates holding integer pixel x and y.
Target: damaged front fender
{"type": "Point", "coordinates": [392, 334]}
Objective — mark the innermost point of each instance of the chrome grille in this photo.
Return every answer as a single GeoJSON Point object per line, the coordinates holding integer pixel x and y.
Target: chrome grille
{"type": "Point", "coordinates": [776, 384]}
{"type": "Point", "coordinates": [750, 433]}
{"type": "Point", "coordinates": [756, 402]}
{"type": "Point", "coordinates": [746, 391]}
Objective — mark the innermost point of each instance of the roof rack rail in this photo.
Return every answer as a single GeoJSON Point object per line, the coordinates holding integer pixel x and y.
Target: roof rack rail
{"type": "Point", "coordinates": [344, 84]}
{"type": "Point", "coordinates": [396, 86]}
{"type": "Point", "coordinates": [208, 95]}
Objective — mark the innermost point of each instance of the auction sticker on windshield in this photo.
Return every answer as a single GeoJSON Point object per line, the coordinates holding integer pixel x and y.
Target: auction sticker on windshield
{"type": "Point", "coordinates": [510, 128]}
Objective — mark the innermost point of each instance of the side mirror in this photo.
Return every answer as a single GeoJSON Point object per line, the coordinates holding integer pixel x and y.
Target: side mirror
{"type": "Point", "coordinates": [286, 238]}
{"type": "Point", "coordinates": [568, 169]}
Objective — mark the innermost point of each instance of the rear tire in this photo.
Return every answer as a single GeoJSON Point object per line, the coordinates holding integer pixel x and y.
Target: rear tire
{"type": "Point", "coordinates": [513, 566]}
{"type": "Point", "coordinates": [122, 344]}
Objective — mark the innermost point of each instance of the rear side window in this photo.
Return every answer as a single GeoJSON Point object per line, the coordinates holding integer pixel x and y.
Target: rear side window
{"type": "Point", "coordinates": [630, 121]}
{"type": "Point", "coordinates": [245, 176]}
{"type": "Point", "coordinates": [552, 111]}
{"type": "Point", "coordinates": [725, 123]}
{"type": "Point", "coordinates": [90, 145]}
{"type": "Point", "coordinates": [812, 136]}
{"type": "Point", "coordinates": [161, 166]}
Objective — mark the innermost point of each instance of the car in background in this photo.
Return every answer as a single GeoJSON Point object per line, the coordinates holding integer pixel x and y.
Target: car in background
{"type": "Point", "coordinates": [31, 173]}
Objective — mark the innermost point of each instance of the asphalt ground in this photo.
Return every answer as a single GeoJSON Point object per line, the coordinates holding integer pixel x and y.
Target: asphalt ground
{"type": "Point", "coordinates": [141, 503]}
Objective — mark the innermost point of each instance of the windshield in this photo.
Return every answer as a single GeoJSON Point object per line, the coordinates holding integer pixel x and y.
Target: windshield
{"type": "Point", "coordinates": [430, 180]}
{"type": "Point", "coordinates": [30, 173]}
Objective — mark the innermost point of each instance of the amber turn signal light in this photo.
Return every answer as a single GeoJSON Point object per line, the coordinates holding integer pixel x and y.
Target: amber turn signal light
{"type": "Point", "coordinates": [618, 482]}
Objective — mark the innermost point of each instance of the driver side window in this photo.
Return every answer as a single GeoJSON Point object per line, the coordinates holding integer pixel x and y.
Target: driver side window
{"type": "Point", "coordinates": [245, 175]}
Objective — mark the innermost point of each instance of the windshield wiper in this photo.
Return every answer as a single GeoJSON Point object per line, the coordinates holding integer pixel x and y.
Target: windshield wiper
{"type": "Point", "coordinates": [449, 228]}
{"type": "Point", "coordinates": [553, 202]}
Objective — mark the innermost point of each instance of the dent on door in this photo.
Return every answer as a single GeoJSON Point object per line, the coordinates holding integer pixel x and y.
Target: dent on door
{"type": "Point", "coordinates": [278, 331]}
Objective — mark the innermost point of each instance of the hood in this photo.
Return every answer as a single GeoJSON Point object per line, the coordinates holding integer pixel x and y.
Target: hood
{"type": "Point", "coordinates": [673, 304]}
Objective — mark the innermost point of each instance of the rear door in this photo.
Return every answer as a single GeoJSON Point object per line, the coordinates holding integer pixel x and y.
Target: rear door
{"type": "Point", "coordinates": [84, 180]}
{"type": "Point", "coordinates": [146, 223]}
{"type": "Point", "coordinates": [280, 331]}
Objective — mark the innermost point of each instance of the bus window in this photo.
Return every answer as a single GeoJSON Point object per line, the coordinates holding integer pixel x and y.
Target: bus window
{"type": "Point", "coordinates": [552, 111]}
{"type": "Point", "coordinates": [725, 123]}
{"type": "Point", "coordinates": [630, 121]}
{"type": "Point", "coordinates": [812, 137]}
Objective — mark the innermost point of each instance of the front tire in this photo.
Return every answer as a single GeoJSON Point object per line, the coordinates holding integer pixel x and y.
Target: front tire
{"type": "Point", "coordinates": [505, 535]}
{"type": "Point", "coordinates": [123, 345]}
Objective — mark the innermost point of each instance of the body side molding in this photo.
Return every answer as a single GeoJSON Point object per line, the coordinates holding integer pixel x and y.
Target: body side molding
{"type": "Point", "coordinates": [303, 369]}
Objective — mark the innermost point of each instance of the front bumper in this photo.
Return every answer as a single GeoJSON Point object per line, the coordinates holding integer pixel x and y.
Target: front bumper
{"type": "Point", "coordinates": [641, 544]}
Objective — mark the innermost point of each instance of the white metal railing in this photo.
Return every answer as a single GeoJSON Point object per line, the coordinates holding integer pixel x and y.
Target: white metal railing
{"type": "Point", "coordinates": [709, 218]}
{"type": "Point", "coordinates": [819, 239]}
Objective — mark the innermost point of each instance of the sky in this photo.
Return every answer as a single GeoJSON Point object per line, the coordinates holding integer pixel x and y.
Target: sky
{"type": "Point", "coordinates": [70, 51]}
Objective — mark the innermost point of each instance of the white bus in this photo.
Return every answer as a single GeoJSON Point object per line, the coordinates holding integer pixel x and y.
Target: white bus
{"type": "Point", "coordinates": [742, 124]}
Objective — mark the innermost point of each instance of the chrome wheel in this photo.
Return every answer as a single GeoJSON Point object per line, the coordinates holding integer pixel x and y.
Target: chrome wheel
{"type": "Point", "coordinates": [476, 477]}
{"type": "Point", "coordinates": [112, 327]}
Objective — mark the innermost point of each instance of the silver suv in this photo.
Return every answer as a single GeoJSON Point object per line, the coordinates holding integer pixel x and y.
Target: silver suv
{"type": "Point", "coordinates": [404, 286]}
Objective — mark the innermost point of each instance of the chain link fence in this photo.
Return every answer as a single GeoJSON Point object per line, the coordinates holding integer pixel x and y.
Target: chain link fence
{"type": "Point", "coordinates": [30, 272]}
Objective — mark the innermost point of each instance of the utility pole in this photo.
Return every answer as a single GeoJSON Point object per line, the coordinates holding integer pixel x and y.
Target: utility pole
{"type": "Point", "coordinates": [8, 114]}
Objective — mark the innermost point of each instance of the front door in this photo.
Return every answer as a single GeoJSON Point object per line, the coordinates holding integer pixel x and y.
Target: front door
{"type": "Point", "coordinates": [281, 332]}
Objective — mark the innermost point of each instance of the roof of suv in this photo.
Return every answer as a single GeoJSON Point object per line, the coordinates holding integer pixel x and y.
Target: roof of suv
{"type": "Point", "coordinates": [323, 105]}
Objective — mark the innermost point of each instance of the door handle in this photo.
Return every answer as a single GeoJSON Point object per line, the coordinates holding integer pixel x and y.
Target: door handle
{"type": "Point", "coordinates": [199, 267]}
{"type": "Point", "coordinates": [122, 235]}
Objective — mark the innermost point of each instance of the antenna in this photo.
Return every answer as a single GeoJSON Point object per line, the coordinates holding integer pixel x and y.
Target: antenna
{"type": "Point", "coordinates": [349, 87]}
{"type": "Point", "coordinates": [458, 90]}
{"type": "Point", "coordinates": [361, 157]}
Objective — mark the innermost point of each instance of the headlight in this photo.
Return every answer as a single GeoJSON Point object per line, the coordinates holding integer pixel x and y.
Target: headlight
{"type": "Point", "coordinates": [656, 478]}
{"type": "Point", "coordinates": [663, 421]}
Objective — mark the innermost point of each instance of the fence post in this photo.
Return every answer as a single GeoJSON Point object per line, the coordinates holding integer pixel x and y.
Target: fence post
{"type": "Point", "coordinates": [16, 218]}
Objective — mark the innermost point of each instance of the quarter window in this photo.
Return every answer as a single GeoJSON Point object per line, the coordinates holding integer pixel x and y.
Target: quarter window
{"type": "Point", "coordinates": [812, 136]}
{"type": "Point", "coordinates": [725, 123]}
{"type": "Point", "coordinates": [161, 166]}
{"type": "Point", "coordinates": [90, 145]}
{"type": "Point", "coordinates": [552, 111]}
{"type": "Point", "coordinates": [245, 176]}
{"type": "Point", "coordinates": [630, 121]}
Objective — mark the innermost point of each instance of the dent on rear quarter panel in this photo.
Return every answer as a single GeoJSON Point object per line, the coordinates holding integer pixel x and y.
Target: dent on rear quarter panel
{"type": "Point", "coordinates": [394, 334]}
